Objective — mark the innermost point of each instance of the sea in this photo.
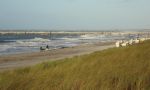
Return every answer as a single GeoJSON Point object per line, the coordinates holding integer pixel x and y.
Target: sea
{"type": "Point", "coordinates": [27, 43]}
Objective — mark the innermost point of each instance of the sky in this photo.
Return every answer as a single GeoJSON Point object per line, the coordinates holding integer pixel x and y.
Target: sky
{"type": "Point", "coordinates": [75, 14]}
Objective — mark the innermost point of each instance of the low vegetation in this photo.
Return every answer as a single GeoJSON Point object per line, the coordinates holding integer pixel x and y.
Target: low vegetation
{"type": "Point", "coordinates": [125, 68]}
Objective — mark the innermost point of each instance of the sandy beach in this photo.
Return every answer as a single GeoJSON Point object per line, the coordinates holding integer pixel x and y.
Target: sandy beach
{"type": "Point", "coordinates": [28, 59]}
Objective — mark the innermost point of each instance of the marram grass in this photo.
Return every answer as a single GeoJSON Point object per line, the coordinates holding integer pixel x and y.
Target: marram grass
{"type": "Point", "coordinates": [125, 68]}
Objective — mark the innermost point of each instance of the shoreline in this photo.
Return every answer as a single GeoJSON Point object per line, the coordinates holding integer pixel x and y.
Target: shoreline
{"type": "Point", "coordinates": [8, 62]}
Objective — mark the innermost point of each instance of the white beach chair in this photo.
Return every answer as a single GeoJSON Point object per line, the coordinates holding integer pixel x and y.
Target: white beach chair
{"type": "Point", "coordinates": [124, 44]}
{"type": "Point", "coordinates": [118, 44]}
{"type": "Point", "coordinates": [131, 42]}
{"type": "Point", "coordinates": [137, 41]}
{"type": "Point", "coordinates": [142, 39]}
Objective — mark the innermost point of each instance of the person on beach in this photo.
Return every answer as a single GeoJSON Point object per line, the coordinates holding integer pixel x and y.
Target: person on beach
{"type": "Point", "coordinates": [47, 47]}
{"type": "Point", "coordinates": [41, 48]}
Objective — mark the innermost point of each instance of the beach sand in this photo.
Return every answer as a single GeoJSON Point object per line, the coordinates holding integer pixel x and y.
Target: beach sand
{"type": "Point", "coordinates": [28, 59]}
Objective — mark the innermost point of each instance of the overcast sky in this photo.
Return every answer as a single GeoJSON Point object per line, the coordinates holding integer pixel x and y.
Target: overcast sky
{"type": "Point", "coordinates": [74, 14]}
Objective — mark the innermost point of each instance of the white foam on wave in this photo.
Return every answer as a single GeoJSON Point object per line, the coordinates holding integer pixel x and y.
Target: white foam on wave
{"type": "Point", "coordinates": [23, 45]}
{"type": "Point", "coordinates": [68, 39]}
{"type": "Point", "coordinates": [37, 39]}
{"type": "Point", "coordinates": [91, 37]}
{"type": "Point", "coordinates": [5, 47]}
{"type": "Point", "coordinates": [27, 45]}
{"type": "Point", "coordinates": [33, 42]}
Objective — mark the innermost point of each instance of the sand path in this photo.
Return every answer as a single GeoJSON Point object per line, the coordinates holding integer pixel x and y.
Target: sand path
{"type": "Point", "coordinates": [28, 59]}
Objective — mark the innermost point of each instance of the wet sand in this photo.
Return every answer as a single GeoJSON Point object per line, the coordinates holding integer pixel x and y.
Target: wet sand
{"type": "Point", "coordinates": [28, 59]}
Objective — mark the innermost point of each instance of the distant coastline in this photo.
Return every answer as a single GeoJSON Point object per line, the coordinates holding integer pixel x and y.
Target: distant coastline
{"type": "Point", "coordinates": [71, 32]}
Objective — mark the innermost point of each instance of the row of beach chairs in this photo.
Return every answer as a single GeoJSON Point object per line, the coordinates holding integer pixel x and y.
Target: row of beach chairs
{"type": "Point", "coordinates": [124, 43]}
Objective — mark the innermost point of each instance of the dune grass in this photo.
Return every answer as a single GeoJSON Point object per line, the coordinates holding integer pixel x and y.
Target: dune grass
{"type": "Point", "coordinates": [126, 68]}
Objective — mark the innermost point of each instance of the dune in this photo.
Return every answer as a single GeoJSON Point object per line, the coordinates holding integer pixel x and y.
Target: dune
{"type": "Point", "coordinates": [123, 68]}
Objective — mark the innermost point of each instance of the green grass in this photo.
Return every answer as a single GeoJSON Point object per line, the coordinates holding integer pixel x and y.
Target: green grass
{"type": "Point", "coordinates": [126, 68]}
